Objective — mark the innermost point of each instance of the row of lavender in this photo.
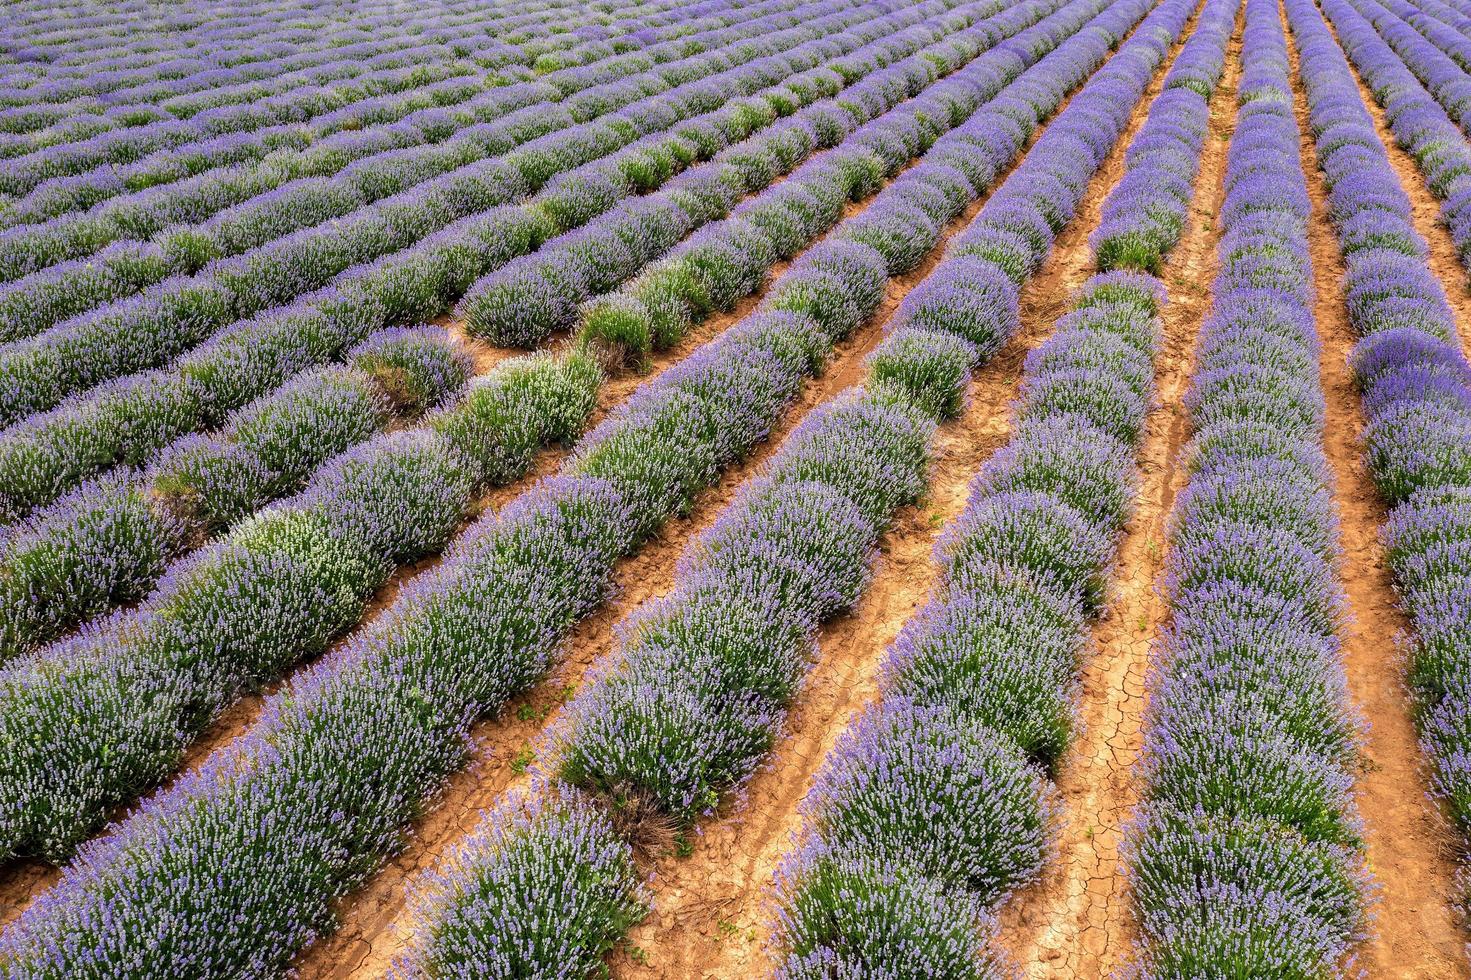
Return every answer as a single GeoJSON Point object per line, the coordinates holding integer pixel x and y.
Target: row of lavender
{"type": "Point", "coordinates": [935, 806]}
{"type": "Point", "coordinates": [619, 735]}
{"type": "Point", "coordinates": [77, 53]}
{"type": "Point", "coordinates": [109, 540]}
{"type": "Point", "coordinates": [303, 233]}
{"type": "Point", "coordinates": [638, 740]}
{"type": "Point", "coordinates": [334, 53]}
{"type": "Point", "coordinates": [1246, 856]}
{"type": "Point", "coordinates": [129, 421]}
{"type": "Point", "coordinates": [139, 204]}
{"type": "Point", "coordinates": [1144, 216]}
{"type": "Point", "coordinates": [1416, 394]}
{"type": "Point", "coordinates": [234, 164]}
{"type": "Point", "coordinates": [85, 553]}
{"type": "Point", "coordinates": [525, 302]}
{"type": "Point", "coordinates": [53, 808]}
{"type": "Point", "coordinates": [378, 723]}
{"type": "Point", "coordinates": [82, 58]}
{"type": "Point", "coordinates": [436, 76]}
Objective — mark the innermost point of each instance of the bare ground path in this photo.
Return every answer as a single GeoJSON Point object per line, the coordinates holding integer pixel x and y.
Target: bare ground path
{"type": "Point", "coordinates": [1075, 921]}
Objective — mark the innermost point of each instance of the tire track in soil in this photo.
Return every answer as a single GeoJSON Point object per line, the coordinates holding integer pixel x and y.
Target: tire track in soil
{"type": "Point", "coordinates": [1444, 260]}
{"type": "Point", "coordinates": [1075, 920]}
{"type": "Point", "coordinates": [710, 913]}
{"type": "Point", "coordinates": [1409, 846]}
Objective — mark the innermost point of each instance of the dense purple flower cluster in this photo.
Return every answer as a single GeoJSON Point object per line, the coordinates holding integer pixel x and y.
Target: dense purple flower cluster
{"type": "Point", "coordinates": [1245, 857]}
{"type": "Point", "coordinates": [415, 367]}
{"type": "Point", "coordinates": [545, 886]}
{"type": "Point", "coordinates": [1145, 213]}
{"type": "Point", "coordinates": [1416, 389]}
{"type": "Point", "coordinates": [894, 923]}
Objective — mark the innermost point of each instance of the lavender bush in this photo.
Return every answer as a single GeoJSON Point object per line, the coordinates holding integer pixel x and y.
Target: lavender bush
{"type": "Point", "coordinates": [1146, 212]}
{"type": "Point", "coordinates": [545, 887]}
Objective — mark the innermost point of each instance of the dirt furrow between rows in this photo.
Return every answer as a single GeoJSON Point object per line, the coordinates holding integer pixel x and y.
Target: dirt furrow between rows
{"type": "Point", "coordinates": [1075, 921]}
{"type": "Point", "coordinates": [1414, 933]}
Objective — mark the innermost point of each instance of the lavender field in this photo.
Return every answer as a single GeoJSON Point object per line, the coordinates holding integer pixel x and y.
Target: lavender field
{"type": "Point", "coordinates": [810, 489]}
